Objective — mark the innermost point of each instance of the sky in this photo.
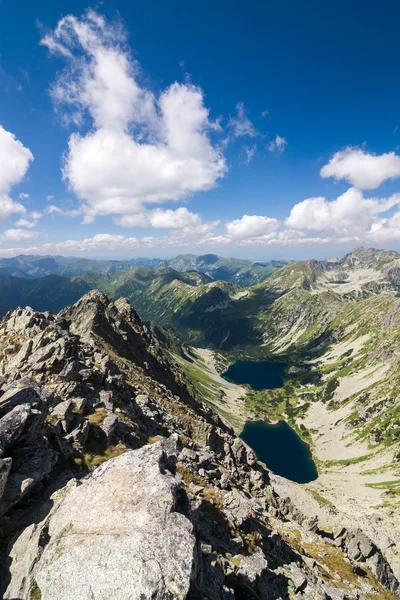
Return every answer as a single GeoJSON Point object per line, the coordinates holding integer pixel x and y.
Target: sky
{"type": "Point", "coordinates": [253, 129]}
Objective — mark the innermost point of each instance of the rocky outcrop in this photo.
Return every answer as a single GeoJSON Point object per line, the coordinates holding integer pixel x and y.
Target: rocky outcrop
{"type": "Point", "coordinates": [178, 507]}
{"type": "Point", "coordinates": [118, 533]}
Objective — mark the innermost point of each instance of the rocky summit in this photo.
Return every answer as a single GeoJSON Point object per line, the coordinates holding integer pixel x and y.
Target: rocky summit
{"type": "Point", "coordinates": [117, 482]}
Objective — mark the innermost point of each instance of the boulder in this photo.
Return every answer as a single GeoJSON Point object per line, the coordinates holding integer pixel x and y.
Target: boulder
{"type": "Point", "coordinates": [338, 532]}
{"type": "Point", "coordinates": [71, 371]}
{"type": "Point", "coordinates": [128, 542]}
{"type": "Point", "coordinates": [63, 412]}
{"type": "Point", "coordinates": [108, 426]}
{"type": "Point", "coordinates": [17, 395]}
{"type": "Point", "coordinates": [28, 469]}
{"type": "Point", "coordinates": [5, 466]}
{"type": "Point", "coordinates": [12, 425]}
{"type": "Point", "coordinates": [106, 399]}
{"type": "Point", "coordinates": [360, 547]}
{"type": "Point", "coordinates": [80, 404]}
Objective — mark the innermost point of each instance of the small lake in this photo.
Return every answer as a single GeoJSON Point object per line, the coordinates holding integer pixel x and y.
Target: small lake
{"type": "Point", "coordinates": [281, 449]}
{"type": "Point", "coordinates": [261, 375]}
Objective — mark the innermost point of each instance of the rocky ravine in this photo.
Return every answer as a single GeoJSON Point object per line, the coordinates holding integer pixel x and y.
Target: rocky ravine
{"type": "Point", "coordinates": [116, 482]}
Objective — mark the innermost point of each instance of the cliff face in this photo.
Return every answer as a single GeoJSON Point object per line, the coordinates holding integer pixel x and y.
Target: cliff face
{"type": "Point", "coordinates": [117, 482]}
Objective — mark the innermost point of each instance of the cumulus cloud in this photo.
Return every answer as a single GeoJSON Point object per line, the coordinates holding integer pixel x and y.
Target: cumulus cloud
{"type": "Point", "coordinates": [15, 159]}
{"type": "Point", "coordinates": [175, 219]}
{"type": "Point", "coordinates": [142, 148]}
{"type": "Point", "coordinates": [30, 221]}
{"type": "Point", "coordinates": [278, 144]}
{"type": "Point", "coordinates": [179, 219]}
{"type": "Point", "coordinates": [250, 226]}
{"type": "Point", "coordinates": [241, 124]}
{"type": "Point", "coordinates": [351, 213]}
{"type": "Point", "coordinates": [362, 169]}
{"type": "Point", "coordinates": [17, 234]}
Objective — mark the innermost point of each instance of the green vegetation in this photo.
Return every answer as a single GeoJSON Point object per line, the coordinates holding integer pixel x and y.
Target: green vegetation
{"type": "Point", "coordinates": [91, 460]}
{"type": "Point", "coordinates": [35, 593]}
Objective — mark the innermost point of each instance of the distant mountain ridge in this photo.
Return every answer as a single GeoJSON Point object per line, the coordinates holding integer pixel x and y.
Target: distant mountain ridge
{"type": "Point", "coordinates": [234, 270]}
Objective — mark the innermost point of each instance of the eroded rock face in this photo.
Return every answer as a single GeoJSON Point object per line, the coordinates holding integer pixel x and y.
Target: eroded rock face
{"type": "Point", "coordinates": [115, 535]}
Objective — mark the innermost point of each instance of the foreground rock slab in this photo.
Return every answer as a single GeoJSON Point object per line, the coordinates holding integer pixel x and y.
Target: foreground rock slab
{"type": "Point", "coordinates": [114, 535]}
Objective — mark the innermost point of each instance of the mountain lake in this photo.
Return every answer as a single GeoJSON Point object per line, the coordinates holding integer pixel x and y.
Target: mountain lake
{"type": "Point", "coordinates": [277, 445]}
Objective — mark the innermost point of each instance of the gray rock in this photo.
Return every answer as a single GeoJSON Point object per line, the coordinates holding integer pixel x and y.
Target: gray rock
{"type": "Point", "coordinates": [253, 566]}
{"type": "Point", "coordinates": [310, 523]}
{"type": "Point", "coordinates": [338, 531]}
{"type": "Point", "coordinates": [298, 578]}
{"type": "Point", "coordinates": [85, 374]}
{"type": "Point", "coordinates": [71, 371]}
{"type": "Point", "coordinates": [108, 426]}
{"type": "Point", "coordinates": [195, 489]}
{"type": "Point", "coordinates": [224, 481]}
{"type": "Point", "coordinates": [237, 507]}
{"type": "Point", "coordinates": [360, 547]}
{"type": "Point", "coordinates": [127, 544]}
{"type": "Point", "coordinates": [80, 403]}
{"type": "Point", "coordinates": [63, 412]}
{"type": "Point", "coordinates": [12, 425]}
{"type": "Point", "coordinates": [80, 434]}
{"type": "Point", "coordinates": [383, 572]}
{"type": "Point", "coordinates": [27, 470]}
{"type": "Point", "coordinates": [63, 409]}
{"type": "Point", "coordinates": [187, 455]}
{"type": "Point", "coordinates": [17, 395]}
{"type": "Point", "coordinates": [106, 399]}
{"type": "Point", "coordinates": [5, 466]}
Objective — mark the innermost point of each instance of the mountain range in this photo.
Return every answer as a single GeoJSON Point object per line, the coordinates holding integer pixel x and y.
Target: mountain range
{"type": "Point", "coordinates": [233, 270]}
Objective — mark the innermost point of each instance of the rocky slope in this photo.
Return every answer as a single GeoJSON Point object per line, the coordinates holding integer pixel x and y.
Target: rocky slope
{"type": "Point", "coordinates": [118, 482]}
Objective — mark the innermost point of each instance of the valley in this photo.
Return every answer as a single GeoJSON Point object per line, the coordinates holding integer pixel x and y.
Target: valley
{"type": "Point", "coordinates": [331, 328]}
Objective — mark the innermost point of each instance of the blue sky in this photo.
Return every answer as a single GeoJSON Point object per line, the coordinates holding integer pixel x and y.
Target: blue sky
{"type": "Point", "coordinates": [257, 129]}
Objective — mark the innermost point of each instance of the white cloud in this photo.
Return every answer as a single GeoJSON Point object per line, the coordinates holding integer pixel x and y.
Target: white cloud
{"type": "Point", "coordinates": [14, 163]}
{"type": "Point", "coordinates": [250, 226]}
{"type": "Point", "coordinates": [277, 145]}
{"type": "Point", "coordinates": [351, 213]}
{"type": "Point", "coordinates": [23, 196]}
{"type": "Point", "coordinates": [265, 113]}
{"type": "Point", "coordinates": [30, 221]}
{"type": "Point", "coordinates": [19, 234]}
{"type": "Point", "coordinates": [74, 212]}
{"type": "Point", "coordinates": [241, 124]}
{"type": "Point", "coordinates": [26, 223]}
{"type": "Point", "coordinates": [8, 206]}
{"type": "Point", "coordinates": [180, 218]}
{"type": "Point", "coordinates": [362, 169]}
{"type": "Point", "coordinates": [249, 152]}
{"type": "Point", "coordinates": [132, 221]}
{"type": "Point", "coordinates": [142, 148]}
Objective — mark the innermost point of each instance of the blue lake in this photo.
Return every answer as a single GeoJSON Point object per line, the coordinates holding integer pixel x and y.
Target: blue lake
{"type": "Point", "coordinates": [261, 375]}
{"type": "Point", "coordinates": [278, 446]}
{"type": "Point", "coordinates": [281, 449]}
